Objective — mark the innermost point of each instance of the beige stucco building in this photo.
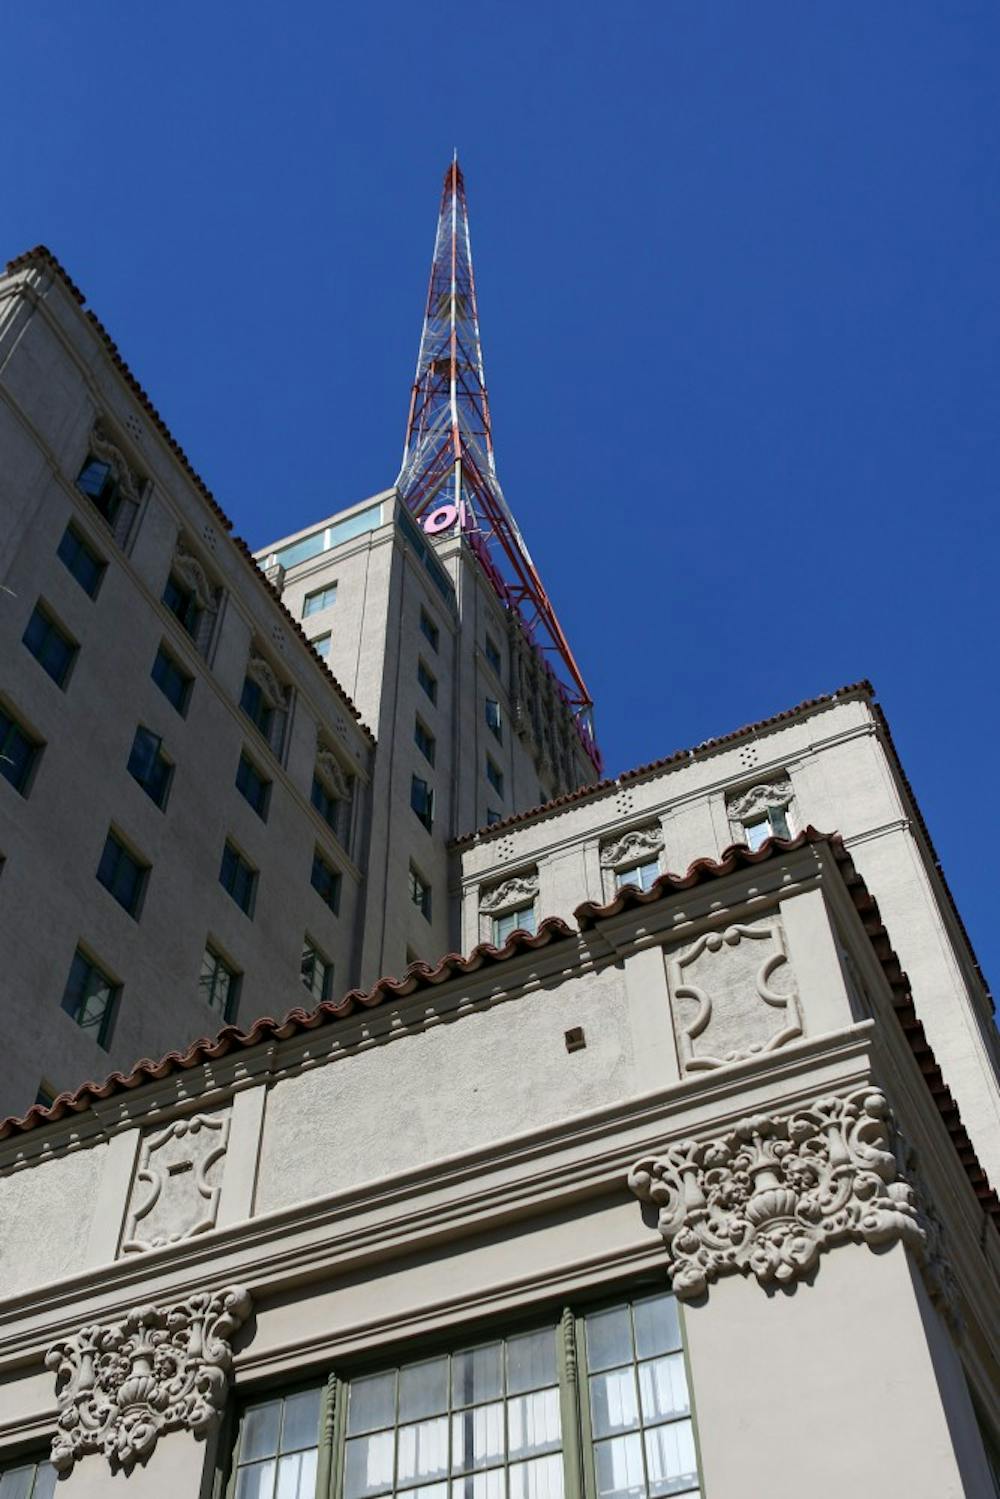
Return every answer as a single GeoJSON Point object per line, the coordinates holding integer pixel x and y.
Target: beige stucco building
{"type": "Point", "coordinates": [679, 1182]}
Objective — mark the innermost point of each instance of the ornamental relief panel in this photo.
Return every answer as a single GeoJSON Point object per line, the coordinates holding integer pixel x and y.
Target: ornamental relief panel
{"type": "Point", "coordinates": [176, 1191]}
{"type": "Point", "coordinates": [756, 801]}
{"type": "Point", "coordinates": [513, 892]}
{"type": "Point", "coordinates": [631, 847]}
{"type": "Point", "coordinates": [733, 995]}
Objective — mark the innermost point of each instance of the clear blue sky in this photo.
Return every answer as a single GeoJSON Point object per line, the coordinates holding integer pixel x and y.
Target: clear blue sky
{"type": "Point", "coordinates": [739, 285]}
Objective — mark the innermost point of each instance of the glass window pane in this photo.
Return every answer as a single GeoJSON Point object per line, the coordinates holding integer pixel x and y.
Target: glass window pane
{"type": "Point", "coordinates": [256, 1482]}
{"type": "Point", "coordinates": [619, 1468]}
{"type": "Point", "coordinates": [779, 822]}
{"type": "Point", "coordinates": [479, 1485]}
{"type": "Point", "coordinates": [17, 1483]}
{"type": "Point", "coordinates": [657, 1326]}
{"type": "Point", "coordinates": [757, 832]}
{"type": "Point", "coordinates": [663, 1389]}
{"type": "Point", "coordinates": [609, 1338]}
{"type": "Point", "coordinates": [368, 1465]}
{"type": "Point", "coordinates": [477, 1375]}
{"type": "Point", "coordinates": [423, 1389]}
{"type": "Point", "coordinates": [259, 1437]}
{"type": "Point", "coordinates": [477, 1437]}
{"type": "Point", "coordinates": [297, 1476]}
{"type": "Point", "coordinates": [541, 1479]}
{"type": "Point", "coordinates": [423, 1450]}
{"type": "Point", "coordinates": [531, 1362]}
{"type": "Point", "coordinates": [428, 1491]}
{"type": "Point", "coordinates": [533, 1423]}
{"type": "Point", "coordinates": [300, 1422]}
{"type": "Point", "coordinates": [613, 1402]}
{"type": "Point", "coordinates": [670, 1458]}
{"type": "Point", "coordinates": [45, 1482]}
{"type": "Point", "coordinates": [372, 1403]}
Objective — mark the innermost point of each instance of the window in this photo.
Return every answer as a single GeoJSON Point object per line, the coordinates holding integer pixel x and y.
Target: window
{"type": "Point", "coordinates": [251, 784]}
{"type": "Point", "coordinates": [429, 630]}
{"type": "Point", "coordinates": [493, 717]}
{"type": "Point", "coordinates": [19, 751]}
{"type": "Point", "coordinates": [316, 971]}
{"type": "Point", "coordinates": [182, 602]}
{"type": "Point", "coordinates": [642, 875]}
{"type": "Point", "coordinates": [492, 816]}
{"type": "Point", "coordinates": [521, 920]}
{"type": "Point", "coordinates": [98, 482]}
{"type": "Point", "coordinates": [28, 1481]}
{"type": "Point", "coordinates": [493, 654]}
{"type": "Point", "coordinates": [321, 645]}
{"type": "Point", "coordinates": [326, 881]}
{"type": "Point", "coordinates": [148, 765]}
{"type": "Point", "coordinates": [494, 775]}
{"type": "Point", "coordinates": [218, 984]}
{"type": "Point", "coordinates": [89, 999]}
{"type": "Point", "coordinates": [428, 681]}
{"type": "Point", "coordinates": [772, 824]}
{"type": "Point", "coordinates": [322, 598]}
{"type": "Point", "coordinates": [425, 741]}
{"type": "Point", "coordinates": [51, 647]}
{"type": "Point", "coordinates": [173, 681]}
{"type": "Point", "coordinates": [265, 702]}
{"type": "Point", "coordinates": [81, 559]}
{"type": "Point", "coordinates": [420, 892]}
{"type": "Point", "coordinates": [640, 1413]}
{"type": "Point", "coordinates": [327, 805]}
{"type": "Point", "coordinates": [422, 801]}
{"type": "Point", "coordinates": [277, 1448]}
{"type": "Point", "coordinates": [45, 1097]}
{"type": "Point", "coordinates": [122, 874]}
{"type": "Point", "coordinates": [238, 877]}
{"type": "Point", "coordinates": [256, 707]}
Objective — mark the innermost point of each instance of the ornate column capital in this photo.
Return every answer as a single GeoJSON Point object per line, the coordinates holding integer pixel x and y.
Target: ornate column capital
{"type": "Point", "coordinates": [770, 1195]}
{"type": "Point", "coordinates": [122, 1385]}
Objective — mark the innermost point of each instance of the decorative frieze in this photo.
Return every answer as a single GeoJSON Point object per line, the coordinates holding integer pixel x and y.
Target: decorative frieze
{"type": "Point", "coordinates": [329, 768]}
{"type": "Point", "coordinates": [122, 1385]}
{"type": "Point", "coordinates": [758, 800]}
{"type": "Point", "coordinates": [724, 1005]}
{"type": "Point", "coordinates": [516, 891]}
{"type": "Point", "coordinates": [258, 671]}
{"type": "Point", "coordinates": [632, 847]}
{"type": "Point", "coordinates": [769, 1196]}
{"type": "Point", "coordinates": [194, 577]}
{"type": "Point", "coordinates": [177, 1185]}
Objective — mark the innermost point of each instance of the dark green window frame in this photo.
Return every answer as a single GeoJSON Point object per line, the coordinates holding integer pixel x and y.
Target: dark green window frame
{"type": "Point", "coordinates": [501, 1416]}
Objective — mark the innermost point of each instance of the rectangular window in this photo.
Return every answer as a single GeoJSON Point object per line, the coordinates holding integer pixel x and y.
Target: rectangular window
{"type": "Point", "coordinates": [277, 1448]}
{"type": "Point", "coordinates": [148, 765]}
{"type": "Point", "coordinates": [326, 881]}
{"type": "Point", "coordinates": [89, 998]}
{"type": "Point", "coordinates": [429, 630]}
{"type": "Point", "coordinates": [327, 805]}
{"type": "Point", "coordinates": [521, 920]}
{"type": "Point", "coordinates": [642, 875]}
{"type": "Point", "coordinates": [256, 707]}
{"type": "Point", "coordinates": [322, 598]}
{"type": "Point", "coordinates": [493, 718]}
{"type": "Point", "coordinates": [252, 785]}
{"type": "Point", "coordinates": [422, 801]}
{"type": "Point", "coordinates": [97, 481]}
{"type": "Point", "coordinates": [19, 751]}
{"type": "Point", "coordinates": [321, 645]}
{"type": "Point", "coordinates": [493, 654]}
{"type": "Point", "coordinates": [122, 874]}
{"type": "Point", "coordinates": [182, 602]}
{"type": "Point", "coordinates": [48, 642]}
{"type": "Point", "coordinates": [494, 775]}
{"type": "Point", "coordinates": [428, 681]}
{"type": "Point", "coordinates": [85, 565]}
{"type": "Point", "coordinates": [238, 877]}
{"type": "Point", "coordinates": [773, 824]}
{"type": "Point", "coordinates": [173, 681]}
{"type": "Point", "coordinates": [316, 971]}
{"type": "Point", "coordinates": [218, 986]}
{"type": "Point", "coordinates": [424, 740]}
{"type": "Point", "coordinates": [420, 892]}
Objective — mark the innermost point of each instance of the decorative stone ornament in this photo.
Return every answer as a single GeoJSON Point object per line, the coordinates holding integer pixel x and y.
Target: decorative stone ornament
{"type": "Point", "coordinates": [329, 769]}
{"type": "Point", "coordinates": [177, 1186]}
{"type": "Point", "coordinates": [129, 483]}
{"type": "Point", "coordinates": [519, 888]}
{"type": "Point", "coordinates": [760, 799]}
{"type": "Point", "coordinates": [770, 1195]}
{"type": "Point", "coordinates": [632, 847]}
{"type": "Point", "coordinates": [193, 576]}
{"type": "Point", "coordinates": [258, 671]}
{"type": "Point", "coordinates": [122, 1385]}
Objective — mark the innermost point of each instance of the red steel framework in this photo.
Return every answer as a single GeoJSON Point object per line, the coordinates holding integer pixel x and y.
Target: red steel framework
{"type": "Point", "coordinates": [448, 475]}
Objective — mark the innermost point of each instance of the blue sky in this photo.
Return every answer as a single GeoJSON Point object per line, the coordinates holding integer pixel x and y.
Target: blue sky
{"type": "Point", "coordinates": [737, 268]}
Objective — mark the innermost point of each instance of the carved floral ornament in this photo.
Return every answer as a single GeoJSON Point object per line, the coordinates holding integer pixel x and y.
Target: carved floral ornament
{"type": "Point", "coordinates": [760, 799]}
{"type": "Point", "coordinates": [772, 1194]}
{"type": "Point", "coordinates": [122, 1385]}
{"type": "Point", "coordinates": [631, 847]}
{"type": "Point", "coordinates": [258, 671]}
{"type": "Point", "coordinates": [513, 892]}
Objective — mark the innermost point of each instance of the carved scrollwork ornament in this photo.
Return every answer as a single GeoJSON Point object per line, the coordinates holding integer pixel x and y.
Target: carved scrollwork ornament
{"type": "Point", "coordinates": [193, 576]}
{"type": "Point", "coordinates": [108, 451]}
{"type": "Point", "coordinates": [768, 1197]}
{"type": "Point", "coordinates": [632, 846]}
{"type": "Point", "coordinates": [519, 888]}
{"type": "Point", "coordinates": [122, 1385]}
{"type": "Point", "coordinates": [258, 671]}
{"type": "Point", "coordinates": [329, 769]}
{"type": "Point", "coordinates": [760, 799]}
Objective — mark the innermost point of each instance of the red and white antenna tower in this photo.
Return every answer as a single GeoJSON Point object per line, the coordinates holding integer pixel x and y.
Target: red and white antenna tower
{"type": "Point", "coordinates": [448, 474]}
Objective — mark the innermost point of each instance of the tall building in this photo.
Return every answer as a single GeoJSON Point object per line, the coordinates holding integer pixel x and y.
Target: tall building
{"type": "Point", "coordinates": [677, 1183]}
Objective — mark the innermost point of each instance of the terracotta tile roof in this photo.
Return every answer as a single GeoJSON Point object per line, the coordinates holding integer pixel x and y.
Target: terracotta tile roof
{"type": "Point", "coordinates": [42, 256]}
{"type": "Point", "coordinates": [230, 1038]}
{"type": "Point", "coordinates": [863, 688]}
{"type": "Point", "coordinates": [738, 856]}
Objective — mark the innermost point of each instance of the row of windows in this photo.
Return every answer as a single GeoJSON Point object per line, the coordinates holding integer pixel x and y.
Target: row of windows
{"type": "Point", "coordinates": [499, 1420]}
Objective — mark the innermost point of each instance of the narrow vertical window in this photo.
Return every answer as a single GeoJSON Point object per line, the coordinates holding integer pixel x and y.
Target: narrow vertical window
{"type": "Point", "coordinates": [50, 645]}
{"type": "Point", "coordinates": [493, 718]}
{"type": "Point", "coordinates": [239, 878]}
{"type": "Point", "coordinates": [429, 630]}
{"type": "Point", "coordinates": [218, 986]}
{"type": "Point", "coordinates": [428, 681]}
{"type": "Point", "coordinates": [85, 565]}
{"type": "Point", "coordinates": [173, 681]}
{"type": "Point", "coordinates": [420, 892]}
{"type": "Point", "coordinates": [277, 1448]}
{"type": "Point", "coordinates": [123, 874]}
{"type": "Point", "coordinates": [89, 998]}
{"type": "Point", "coordinates": [422, 801]}
{"type": "Point", "coordinates": [19, 751]}
{"type": "Point", "coordinates": [316, 971]}
{"type": "Point", "coordinates": [148, 765]}
{"type": "Point", "coordinates": [326, 881]}
{"type": "Point", "coordinates": [253, 786]}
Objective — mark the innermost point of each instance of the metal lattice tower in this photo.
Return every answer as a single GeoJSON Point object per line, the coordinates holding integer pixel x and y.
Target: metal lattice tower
{"type": "Point", "coordinates": [448, 475]}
